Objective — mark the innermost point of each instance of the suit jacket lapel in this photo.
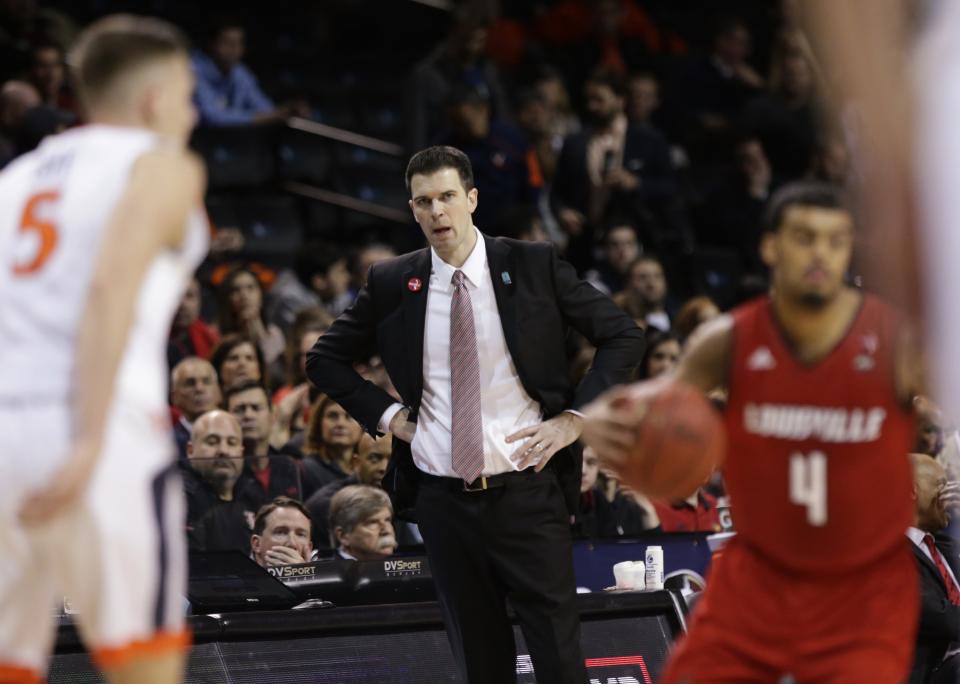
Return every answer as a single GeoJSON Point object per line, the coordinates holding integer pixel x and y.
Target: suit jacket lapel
{"type": "Point", "coordinates": [414, 318]}
{"type": "Point", "coordinates": [503, 274]}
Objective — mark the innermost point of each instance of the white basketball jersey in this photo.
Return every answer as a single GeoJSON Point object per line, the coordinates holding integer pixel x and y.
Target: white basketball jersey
{"type": "Point", "coordinates": [55, 204]}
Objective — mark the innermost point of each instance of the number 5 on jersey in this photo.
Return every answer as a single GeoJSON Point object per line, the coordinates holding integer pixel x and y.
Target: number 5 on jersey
{"type": "Point", "coordinates": [38, 231]}
{"type": "Point", "coordinates": [808, 485]}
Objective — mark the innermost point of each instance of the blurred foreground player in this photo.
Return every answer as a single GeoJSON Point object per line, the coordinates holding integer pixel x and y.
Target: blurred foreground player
{"type": "Point", "coordinates": [100, 231]}
{"type": "Point", "coordinates": [819, 582]}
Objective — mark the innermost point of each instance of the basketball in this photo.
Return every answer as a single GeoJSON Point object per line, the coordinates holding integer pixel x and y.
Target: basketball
{"type": "Point", "coordinates": [680, 441]}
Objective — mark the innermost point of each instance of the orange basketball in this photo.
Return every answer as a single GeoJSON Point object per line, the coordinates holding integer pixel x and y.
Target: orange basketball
{"type": "Point", "coordinates": [680, 442]}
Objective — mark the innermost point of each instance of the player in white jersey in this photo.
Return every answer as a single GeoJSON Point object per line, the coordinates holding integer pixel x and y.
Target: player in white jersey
{"type": "Point", "coordinates": [100, 230]}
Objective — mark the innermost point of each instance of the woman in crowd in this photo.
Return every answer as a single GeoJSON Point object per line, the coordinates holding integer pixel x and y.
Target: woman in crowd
{"type": "Point", "coordinates": [236, 359]}
{"type": "Point", "coordinates": [332, 438]}
{"type": "Point", "coordinates": [240, 309]}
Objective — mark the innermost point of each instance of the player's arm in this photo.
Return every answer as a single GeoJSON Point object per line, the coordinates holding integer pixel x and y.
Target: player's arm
{"type": "Point", "coordinates": [610, 422]}
{"type": "Point", "coordinates": [164, 186]}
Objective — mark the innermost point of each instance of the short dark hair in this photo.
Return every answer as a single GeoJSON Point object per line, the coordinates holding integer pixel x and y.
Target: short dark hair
{"type": "Point", "coordinates": [260, 521]}
{"type": "Point", "coordinates": [611, 79]}
{"type": "Point", "coordinates": [244, 386]}
{"type": "Point", "coordinates": [117, 44]}
{"type": "Point", "coordinates": [803, 193]}
{"type": "Point", "coordinates": [440, 157]}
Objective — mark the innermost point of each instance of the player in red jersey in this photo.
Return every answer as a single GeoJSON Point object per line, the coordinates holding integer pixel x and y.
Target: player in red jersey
{"type": "Point", "coordinates": [819, 582]}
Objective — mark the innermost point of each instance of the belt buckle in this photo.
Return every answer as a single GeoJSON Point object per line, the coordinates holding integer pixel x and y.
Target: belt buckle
{"type": "Point", "coordinates": [483, 485]}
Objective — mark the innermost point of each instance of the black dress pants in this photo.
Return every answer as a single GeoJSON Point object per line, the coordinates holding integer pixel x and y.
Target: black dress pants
{"type": "Point", "coordinates": [510, 543]}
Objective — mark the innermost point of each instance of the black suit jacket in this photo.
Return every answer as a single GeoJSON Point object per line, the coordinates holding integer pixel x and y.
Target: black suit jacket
{"type": "Point", "coordinates": [939, 619]}
{"type": "Point", "coordinates": [538, 298]}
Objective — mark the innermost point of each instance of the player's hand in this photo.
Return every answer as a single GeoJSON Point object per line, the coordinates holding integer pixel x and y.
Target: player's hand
{"type": "Point", "coordinates": [283, 555]}
{"type": "Point", "coordinates": [65, 489]}
{"type": "Point", "coordinates": [544, 440]}
{"type": "Point", "coordinates": [401, 427]}
{"type": "Point", "coordinates": [611, 420]}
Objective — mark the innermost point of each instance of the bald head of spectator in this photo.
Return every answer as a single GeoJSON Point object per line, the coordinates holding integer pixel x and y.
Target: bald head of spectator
{"type": "Point", "coordinates": [215, 451]}
{"type": "Point", "coordinates": [194, 389]}
{"type": "Point", "coordinates": [16, 97]}
{"type": "Point", "coordinates": [361, 523]}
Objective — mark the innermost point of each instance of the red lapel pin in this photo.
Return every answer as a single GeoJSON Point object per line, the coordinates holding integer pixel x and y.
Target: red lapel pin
{"type": "Point", "coordinates": [414, 284]}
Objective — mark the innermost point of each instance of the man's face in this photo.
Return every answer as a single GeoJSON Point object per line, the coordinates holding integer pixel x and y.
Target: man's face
{"type": "Point", "coordinates": [370, 463]}
{"type": "Point", "coordinates": [228, 47]}
{"type": "Point", "coordinates": [285, 527]}
{"type": "Point", "coordinates": [240, 364]}
{"type": "Point", "coordinates": [443, 209]}
{"type": "Point", "coordinates": [810, 254]}
{"type": "Point", "coordinates": [195, 390]}
{"type": "Point", "coordinates": [622, 248]}
{"type": "Point", "coordinates": [47, 71]}
{"type": "Point", "coordinates": [189, 309]}
{"type": "Point", "coordinates": [643, 98]}
{"type": "Point", "coordinates": [591, 468]}
{"type": "Point", "coordinates": [647, 278]}
{"type": "Point", "coordinates": [929, 480]}
{"type": "Point", "coordinates": [216, 449]}
{"type": "Point", "coordinates": [602, 104]}
{"type": "Point", "coordinates": [371, 539]}
{"type": "Point", "coordinates": [337, 428]}
{"type": "Point", "coordinates": [252, 409]}
{"type": "Point", "coordinates": [734, 45]}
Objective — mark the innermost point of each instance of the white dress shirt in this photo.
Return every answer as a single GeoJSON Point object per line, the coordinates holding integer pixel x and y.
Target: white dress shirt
{"type": "Point", "coordinates": [916, 536]}
{"type": "Point", "coordinates": [505, 405]}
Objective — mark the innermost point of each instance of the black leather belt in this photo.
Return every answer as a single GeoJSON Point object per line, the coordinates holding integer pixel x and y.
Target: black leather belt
{"type": "Point", "coordinates": [481, 484]}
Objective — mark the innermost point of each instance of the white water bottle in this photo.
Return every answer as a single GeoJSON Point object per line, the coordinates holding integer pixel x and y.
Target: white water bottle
{"type": "Point", "coordinates": [654, 567]}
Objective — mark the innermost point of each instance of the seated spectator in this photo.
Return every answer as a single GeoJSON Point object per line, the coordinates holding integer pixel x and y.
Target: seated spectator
{"type": "Point", "coordinates": [189, 334]}
{"type": "Point", "coordinates": [595, 518]}
{"type": "Point", "coordinates": [732, 213]}
{"type": "Point", "coordinates": [938, 561]}
{"type": "Point", "coordinates": [368, 466]}
{"type": "Point", "coordinates": [228, 93]}
{"type": "Point", "coordinates": [38, 123]}
{"type": "Point", "coordinates": [503, 163]}
{"type": "Point", "coordinates": [522, 222]}
{"type": "Point", "coordinates": [240, 309]}
{"type": "Point", "coordinates": [16, 97]}
{"type": "Point", "coordinates": [930, 440]}
{"type": "Point", "coordinates": [292, 401]}
{"type": "Point", "coordinates": [217, 520]}
{"type": "Point", "coordinates": [320, 279]}
{"type": "Point", "coordinates": [715, 91]}
{"type": "Point", "coordinates": [697, 513]}
{"type": "Point", "coordinates": [331, 440]}
{"type": "Point", "coordinates": [661, 355]}
{"type": "Point", "coordinates": [282, 533]}
{"type": "Point", "coordinates": [694, 313]}
{"type": "Point", "coordinates": [365, 258]}
{"type": "Point", "coordinates": [631, 514]}
{"type": "Point", "coordinates": [786, 119]}
{"type": "Point", "coordinates": [831, 161]}
{"type": "Point", "coordinates": [267, 473]}
{"type": "Point", "coordinates": [237, 359]}
{"type": "Point", "coordinates": [621, 247]}
{"type": "Point", "coordinates": [194, 390]}
{"type": "Point", "coordinates": [361, 523]}
{"type": "Point", "coordinates": [48, 74]}
{"type": "Point", "coordinates": [646, 278]}
{"type": "Point", "coordinates": [458, 60]}
{"type": "Point", "coordinates": [609, 169]}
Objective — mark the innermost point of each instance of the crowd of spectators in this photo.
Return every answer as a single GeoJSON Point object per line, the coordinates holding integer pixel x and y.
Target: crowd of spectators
{"type": "Point", "coordinates": [594, 125]}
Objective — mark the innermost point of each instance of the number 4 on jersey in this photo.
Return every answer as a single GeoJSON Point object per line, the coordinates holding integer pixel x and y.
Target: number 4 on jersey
{"type": "Point", "coordinates": [45, 232]}
{"type": "Point", "coordinates": [808, 485]}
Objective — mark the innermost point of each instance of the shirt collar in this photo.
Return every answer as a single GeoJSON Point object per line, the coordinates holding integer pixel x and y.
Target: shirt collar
{"type": "Point", "coordinates": [916, 536]}
{"type": "Point", "coordinates": [473, 268]}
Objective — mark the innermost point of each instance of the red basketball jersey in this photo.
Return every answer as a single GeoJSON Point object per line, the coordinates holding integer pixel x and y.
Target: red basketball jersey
{"type": "Point", "coordinates": [817, 466]}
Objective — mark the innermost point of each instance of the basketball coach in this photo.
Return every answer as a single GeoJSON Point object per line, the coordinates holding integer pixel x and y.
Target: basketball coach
{"type": "Point", "coordinates": [472, 331]}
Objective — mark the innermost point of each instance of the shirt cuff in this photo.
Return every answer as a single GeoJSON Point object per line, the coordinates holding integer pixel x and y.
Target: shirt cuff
{"type": "Point", "coordinates": [384, 424]}
{"type": "Point", "coordinates": [574, 412]}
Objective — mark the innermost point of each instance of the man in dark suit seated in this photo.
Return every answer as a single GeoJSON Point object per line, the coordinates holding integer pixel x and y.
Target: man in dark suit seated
{"type": "Point", "coordinates": [938, 557]}
{"type": "Point", "coordinates": [471, 331]}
